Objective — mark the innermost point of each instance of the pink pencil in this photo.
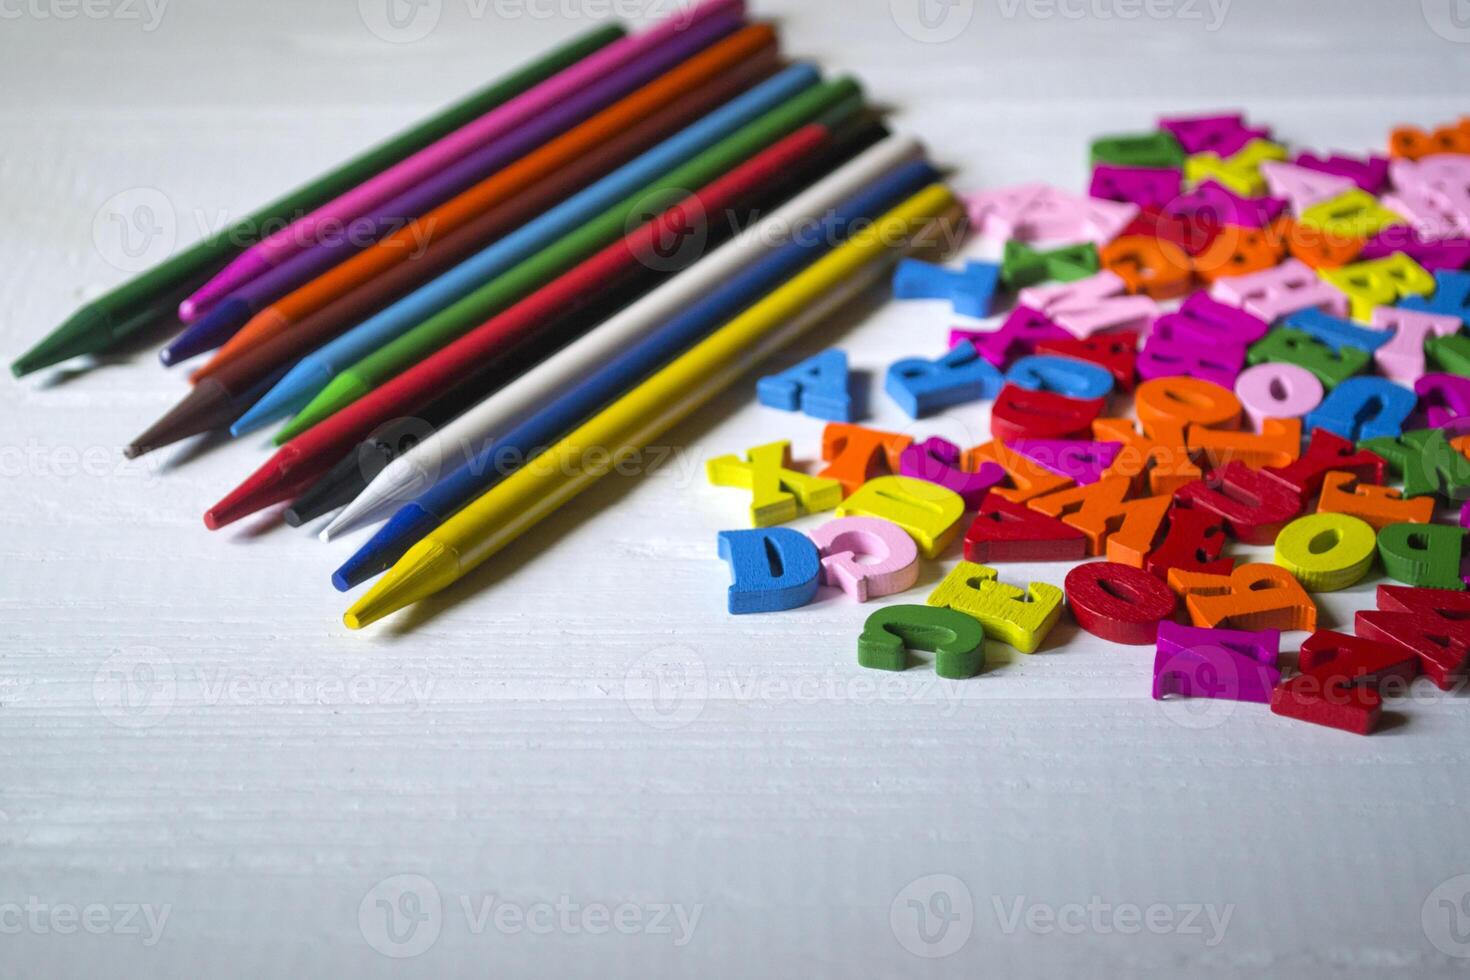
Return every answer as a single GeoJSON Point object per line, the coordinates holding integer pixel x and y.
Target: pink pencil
{"type": "Point", "coordinates": [271, 251]}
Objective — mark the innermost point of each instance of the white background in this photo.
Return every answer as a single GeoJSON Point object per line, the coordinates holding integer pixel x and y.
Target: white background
{"type": "Point", "coordinates": [500, 743]}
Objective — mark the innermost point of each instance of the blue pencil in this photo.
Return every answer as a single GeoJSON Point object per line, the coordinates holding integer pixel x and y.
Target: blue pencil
{"type": "Point", "coordinates": [421, 515]}
{"type": "Point", "coordinates": [232, 312]}
{"type": "Point", "coordinates": [313, 372]}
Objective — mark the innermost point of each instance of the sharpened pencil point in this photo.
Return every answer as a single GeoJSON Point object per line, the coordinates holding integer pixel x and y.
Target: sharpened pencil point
{"type": "Point", "coordinates": [277, 480]}
{"type": "Point", "coordinates": [291, 394]}
{"type": "Point", "coordinates": [86, 331]}
{"type": "Point", "coordinates": [207, 406]}
{"type": "Point", "coordinates": [342, 391]}
{"type": "Point", "coordinates": [428, 567]}
{"type": "Point", "coordinates": [207, 333]}
{"type": "Point", "coordinates": [392, 541]}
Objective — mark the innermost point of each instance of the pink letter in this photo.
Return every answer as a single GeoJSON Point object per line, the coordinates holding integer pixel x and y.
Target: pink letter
{"type": "Point", "coordinates": [843, 541]}
{"type": "Point", "coordinates": [1402, 358]}
{"type": "Point", "coordinates": [1274, 293]}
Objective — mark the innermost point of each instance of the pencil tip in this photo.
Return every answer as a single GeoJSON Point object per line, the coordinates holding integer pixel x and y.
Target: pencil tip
{"type": "Point", "coordinates": [427, 567]}
{"type": "Point", "coordinates": [85, 331]}
{"type": "Point", "coordinates": [277, 480]}
{"type": "Point", "coordinates": [340, 392]}
{"type": "Point", "coordinates": [206, 333]}
{"type": "Point", "coordinates": [292, 393]}
{"type": "Point", "coordinates": [206, 407]}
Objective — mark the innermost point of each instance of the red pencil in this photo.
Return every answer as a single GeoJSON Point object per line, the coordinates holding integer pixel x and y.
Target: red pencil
{"type": "Point", "coordinates": [302, 460]}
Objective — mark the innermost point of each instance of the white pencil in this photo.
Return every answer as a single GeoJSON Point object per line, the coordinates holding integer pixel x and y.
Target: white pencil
{"type": "Point", "coordinates": [416, 470]}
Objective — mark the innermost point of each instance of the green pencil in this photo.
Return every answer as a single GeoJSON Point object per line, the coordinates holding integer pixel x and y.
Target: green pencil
{"type": "Point", "coordinates": [830, 100]}
{"type": "Point", "coordinates": [118, 313]}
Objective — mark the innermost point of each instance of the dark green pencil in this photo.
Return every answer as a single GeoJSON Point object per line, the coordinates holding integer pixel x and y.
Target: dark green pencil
{"type": "Point", "coordinates": [115, 315]}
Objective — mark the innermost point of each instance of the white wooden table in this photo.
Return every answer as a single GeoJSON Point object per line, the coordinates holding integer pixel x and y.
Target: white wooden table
{"type": "Point", "coordinates": [576, 764]}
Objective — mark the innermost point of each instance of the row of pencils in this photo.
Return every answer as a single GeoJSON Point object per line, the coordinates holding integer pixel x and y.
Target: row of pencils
{"type": "Point", "coordinates": [465, 326]}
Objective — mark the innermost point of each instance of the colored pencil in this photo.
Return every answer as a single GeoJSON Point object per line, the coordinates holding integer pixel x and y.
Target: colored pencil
{"type": "Point", "coordinates": [748, 53]}
{"type": "Point", "coordinates": [342, 210]}
{"type": "Point", "coordinates": [347, 478]}
{"type": "Point", "coordinates": [215, 400]}
{"type": "Point", "coordinates": [345, 482]}
{"type": "Point", "coordinates": [231, 312]}
{"type": "Point", "coordinates": [836, 100]}
{"type": "Point", "coordinates": [626, 426]}
{"type": "Point", "coordinates": [487, 466]}
{"type": "Point", "coordinates": [134, 305]}
{"type": "Point", "coordinates": [305, 458]}
{"type": "Point", "coordinates": [443, 450]}
{"type": "Point", "coordinates": [478, 273]}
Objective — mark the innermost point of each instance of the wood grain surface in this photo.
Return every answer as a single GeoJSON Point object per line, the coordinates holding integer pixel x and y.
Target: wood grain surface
{"type": "Point", "coordinates": [575, 764]}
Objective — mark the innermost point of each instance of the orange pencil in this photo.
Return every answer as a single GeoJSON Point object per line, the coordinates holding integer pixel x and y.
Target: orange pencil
{"type": "Point", "coordinates": [757, 42]}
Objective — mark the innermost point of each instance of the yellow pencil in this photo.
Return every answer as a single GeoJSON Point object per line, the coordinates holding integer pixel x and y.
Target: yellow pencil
{"type": "Point", "coordinates": [628, 424]}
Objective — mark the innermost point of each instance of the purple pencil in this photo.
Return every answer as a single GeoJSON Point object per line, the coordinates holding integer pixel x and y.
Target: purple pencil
{"type": "Point", "coordinates": [231, 313]}
{"type": "Point", "coordinates": [277, 248]}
